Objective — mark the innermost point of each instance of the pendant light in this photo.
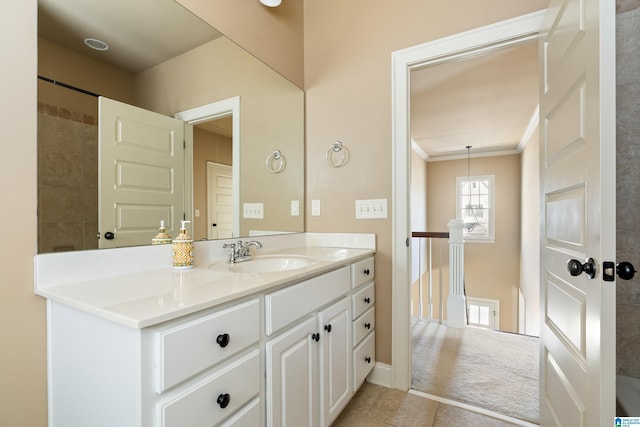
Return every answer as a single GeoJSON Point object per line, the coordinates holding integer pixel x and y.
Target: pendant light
{"type": "Point", "coordinates": [469, 218]}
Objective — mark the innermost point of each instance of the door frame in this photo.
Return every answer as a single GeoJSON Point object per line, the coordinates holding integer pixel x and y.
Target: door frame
{"type": "Point", "coordinates": [484, 39]}
{"type": "Point", "coordinates": [205, 113]}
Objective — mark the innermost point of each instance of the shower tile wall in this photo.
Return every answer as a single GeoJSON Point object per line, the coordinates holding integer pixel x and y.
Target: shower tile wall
{"type": "Point", "coordinates": [67, 180]}
{"type": "Point", "coordinates": [628, 183]}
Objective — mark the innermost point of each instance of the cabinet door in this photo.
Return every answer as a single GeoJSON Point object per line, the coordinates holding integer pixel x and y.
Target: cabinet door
{"type": "Point", "coordinates": [292, 377]}
{"type": "Point", "coordinates": [335, 364]}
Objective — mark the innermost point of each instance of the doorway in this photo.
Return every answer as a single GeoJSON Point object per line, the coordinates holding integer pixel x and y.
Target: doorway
{"type": "Point", "coordinates": [485, 39]}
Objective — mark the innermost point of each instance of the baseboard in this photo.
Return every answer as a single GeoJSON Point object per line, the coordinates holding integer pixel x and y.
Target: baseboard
{"type": "Point", "coordinates": [380, 375]}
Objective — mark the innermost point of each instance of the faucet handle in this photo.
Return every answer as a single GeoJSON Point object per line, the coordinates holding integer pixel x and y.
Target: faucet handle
{"type": "Point", "coordinates": [229, 245]}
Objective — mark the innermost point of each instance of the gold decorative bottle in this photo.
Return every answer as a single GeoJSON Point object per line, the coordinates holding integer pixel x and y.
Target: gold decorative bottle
{"type": "Point", "coordinates": [183, 249]}
{"type": "Point", "coordinates": [162, 238]}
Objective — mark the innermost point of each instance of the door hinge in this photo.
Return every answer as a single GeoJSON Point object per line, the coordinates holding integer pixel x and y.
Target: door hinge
{"type": "Point", "coordinates": [184, 145]}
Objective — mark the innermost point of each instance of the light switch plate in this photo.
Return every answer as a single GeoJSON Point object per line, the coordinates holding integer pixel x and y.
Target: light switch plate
{"type": "Point", "coordinates": [253, 210]}
{"type": "Point", "coordinates": [371, 209]}
{"type": "Point", "coordinates": [315, 207]}
{"type": "Point", "coordinates": [295, 208]}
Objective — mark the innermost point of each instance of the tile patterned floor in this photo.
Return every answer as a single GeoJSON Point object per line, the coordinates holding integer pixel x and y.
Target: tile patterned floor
{"type": "Point", "coordinates": [377, 406]}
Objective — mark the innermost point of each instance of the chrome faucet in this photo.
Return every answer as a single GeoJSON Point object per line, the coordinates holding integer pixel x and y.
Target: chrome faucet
{"type": "Point", "coordinates": [241, 251]}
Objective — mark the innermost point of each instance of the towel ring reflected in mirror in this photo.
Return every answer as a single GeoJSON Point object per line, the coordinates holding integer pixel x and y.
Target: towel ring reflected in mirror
{"type": "Point", "coordinates": [337, 155]}
{"type": "Point", "coordinates": [276, 162]}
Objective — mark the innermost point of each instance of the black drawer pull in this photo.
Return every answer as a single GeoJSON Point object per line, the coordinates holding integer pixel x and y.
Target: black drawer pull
{"type": "Point", "coordinates": [223, 340]}
{"type": "Point", "coordinates": [367, 300]}
{"type": "Point", "coordinates": [315, 337]}
{"type": "Point", "coordinates": [224, 400]}
{"type": "Point", "coordinates": [366, 271]}
{"type": "Point", "coordinates": [367, 359]}
{"type": "Point", "coordinates": [367, 325]}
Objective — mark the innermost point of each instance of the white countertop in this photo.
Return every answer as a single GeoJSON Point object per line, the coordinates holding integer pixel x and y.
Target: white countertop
{"type": "Point", "coordinates": [140, 299]}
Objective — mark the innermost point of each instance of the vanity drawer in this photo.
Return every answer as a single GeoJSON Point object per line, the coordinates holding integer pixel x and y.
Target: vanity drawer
{"type": "Point", "coordinates": [202, 405]}
{"type": "Point", "coordinates": [289, 304]}
{"type": "Point", "coordinates": [249, 416]}
{"type": "Point", "coordinates": [362, 272]}
{"type": "Point", "coordinates": [191, 347]}
{"type": "Point", "coordinates": [364, 358]}
{"type": "Point", "coordinates": [363, 300]}
{"type": "Point", "coordinates": [363, 325]}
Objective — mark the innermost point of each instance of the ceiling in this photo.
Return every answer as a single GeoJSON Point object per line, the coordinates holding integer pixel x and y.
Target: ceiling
{"type": "Point", "coordinates": [485, 101]}
{"type": "Point", "coordinates": [69, 22]}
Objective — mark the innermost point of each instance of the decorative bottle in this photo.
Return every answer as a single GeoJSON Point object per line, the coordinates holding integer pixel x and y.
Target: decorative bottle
{"type": "Point", "coordinates": [162, 238]}
{"type": "Point", "coordinates": [183, 249]}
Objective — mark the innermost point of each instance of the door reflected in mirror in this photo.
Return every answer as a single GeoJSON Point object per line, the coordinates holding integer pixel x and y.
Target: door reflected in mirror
{"type": "Point", "coordinates": [213, 70]}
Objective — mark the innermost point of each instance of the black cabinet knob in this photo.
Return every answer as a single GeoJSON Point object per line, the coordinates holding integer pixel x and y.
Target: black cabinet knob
{"type": "Point", "coordinates": [366, 271]}
{"type": "Point", "coordinates": [327, 328]}
{"type": "Point", "coordinates": [367, 359]}
{"type": "Point", "coordinates": [367, 325]}
{"type": "Point", "coordinates": [224, 400]}
{"type": "Point", "coordinates": [315, 337]}
{"type": "Point", "coordinates": [367, 300]}
{"type": "Point", "coordinates": [223, 340]}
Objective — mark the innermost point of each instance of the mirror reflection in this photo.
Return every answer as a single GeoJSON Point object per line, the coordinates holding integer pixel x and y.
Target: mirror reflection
{"type": "Point", "coordinates": [146, 67]}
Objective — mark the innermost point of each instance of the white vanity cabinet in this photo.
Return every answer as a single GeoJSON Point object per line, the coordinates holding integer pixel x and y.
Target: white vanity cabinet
{"type": "Point", "coordinates": [290, 353]}
{"type": "Point", "coordinates": [364, 320]}
{"type": "Point", "coordinates": [312, 366]}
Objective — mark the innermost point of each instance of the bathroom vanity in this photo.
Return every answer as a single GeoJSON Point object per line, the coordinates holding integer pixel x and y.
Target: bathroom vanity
{"type": "Point", "coordinates": [285, 341]}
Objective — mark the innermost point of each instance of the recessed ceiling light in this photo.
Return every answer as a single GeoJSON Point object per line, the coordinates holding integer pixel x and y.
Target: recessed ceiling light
{"type": "Point", "coordinates": [96, 44]}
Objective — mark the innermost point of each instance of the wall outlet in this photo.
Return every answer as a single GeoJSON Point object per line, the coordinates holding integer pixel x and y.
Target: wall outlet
{"type": "Point", "coordinates": [253, 210]}
{"type": "Point", "coordinates": [371, 209]}
{"type": "Point", "coordinates": [295, 208]}
{"type": "Point", "coordinates": [315, 208]}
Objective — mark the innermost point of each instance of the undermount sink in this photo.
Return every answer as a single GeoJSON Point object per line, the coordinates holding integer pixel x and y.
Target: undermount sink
{"type": "Point", "coordinates": [271, 263]}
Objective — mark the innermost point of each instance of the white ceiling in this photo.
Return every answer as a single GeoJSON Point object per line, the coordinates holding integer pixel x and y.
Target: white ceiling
{"type": "Point", "coordinates": [486, 101]}
{"type": "Point", "coordinates": [140, 33]}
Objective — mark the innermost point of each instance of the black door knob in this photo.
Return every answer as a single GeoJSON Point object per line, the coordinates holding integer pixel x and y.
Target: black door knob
{"type": "Point", "coordinates": [576, 268]}
{"type": "Point", "coordinates": [109, 235]}
{"type": "Point", "coordinates": [223, 340]}
{"type": "Point", "coordinates": [625, 270]}
{"type": "Point", "coordinates": [224, 400]}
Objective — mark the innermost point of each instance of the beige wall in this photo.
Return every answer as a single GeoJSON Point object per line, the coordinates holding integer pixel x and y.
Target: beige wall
{"type": "Point", "coordinates": [23, 392]}
{"type": "Point", "coordinates": [347, 55]}
{"type": "Point", "coordinates": [274, 35]}
{"type": "Point", "coordinates": [492, 270]}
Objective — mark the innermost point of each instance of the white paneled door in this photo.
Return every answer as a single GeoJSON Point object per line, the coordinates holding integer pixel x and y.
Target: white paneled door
{"type": "Point", "coordinates": [577, 127]}
{"type": "Point", "coordinates": [141, 174]}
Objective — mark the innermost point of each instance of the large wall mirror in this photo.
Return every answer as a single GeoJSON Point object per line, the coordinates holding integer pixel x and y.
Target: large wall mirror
{"type": "Point", "coordinates": [163, 59]}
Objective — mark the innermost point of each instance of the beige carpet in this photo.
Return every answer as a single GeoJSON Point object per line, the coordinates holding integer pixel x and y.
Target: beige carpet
{"type": "Point", "coordinates": [488, 369]}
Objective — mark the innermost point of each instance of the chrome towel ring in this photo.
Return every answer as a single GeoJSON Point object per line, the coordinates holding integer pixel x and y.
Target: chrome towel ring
{"type": "Point", "coordinates": [276, 162]}
{"type": "Point", "coordinates": [337, 155]}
